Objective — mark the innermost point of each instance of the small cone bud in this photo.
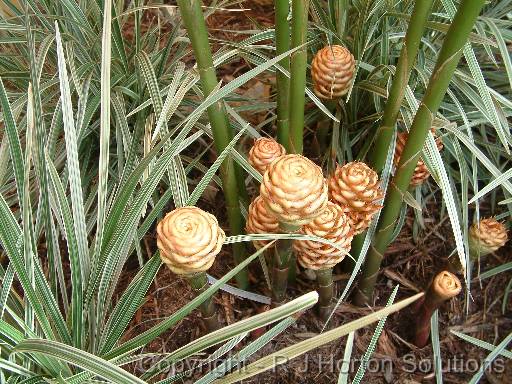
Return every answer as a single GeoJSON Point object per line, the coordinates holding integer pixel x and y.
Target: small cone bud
{"type": "Point", "coordinates": [421, 172]}
{"type": "Point", "coordinates": [444, 287]}
{"type": "Point", "coordinates": [332, 71]}
{"type": "Point", "coordinates": [486, 237]}
{"type": "Point", "coordinates": [331, 225]}
{"type": "Point", "coordinates": [356, 188]}
{"type": "Point", "coordinates": [189, 239]}
{"type": "Point", "coordinates": [294, 189]}
{"type": "Point", "coordinates": [263, 152]}
{"type": "Point", "coordinates": [259, 220]}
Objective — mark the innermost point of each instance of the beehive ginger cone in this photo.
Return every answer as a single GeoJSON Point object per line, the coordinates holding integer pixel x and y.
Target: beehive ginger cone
{"type": "Point", "coordinates": [294, 189]}
{"type": "Point", "coordinates": [263, 152]}
{"type": "Point", "coordinates": [260, 220]}
{"type": "Point", "coordinates": [421, 172]}
{"type": "Point", "coordinates": [189, 239]}
{"type": "Point", "coordinates": [332, 225]}
{"type": "Point", "coordinates": [486, 236]}
{"type": "Point", "coordinates": [356, 188]}
{"type": "Point", "coordinates": [332, 71]}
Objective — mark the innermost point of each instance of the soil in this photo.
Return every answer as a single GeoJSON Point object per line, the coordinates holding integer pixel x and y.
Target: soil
{"type": "Point", "coordinates": [411, 261]}
{"type": "Point", "coordinates": [411, 264]}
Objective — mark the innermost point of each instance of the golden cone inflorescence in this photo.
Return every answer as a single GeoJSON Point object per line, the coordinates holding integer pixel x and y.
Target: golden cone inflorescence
{"type": "Point", "coordinates": [259, 220]}
{"type": "Point", "coordinates": [445, 286]}
{"type": "Point", "coordinates": [294, 189]}
{"type": "Point", "coordinates": [421, 172]}
{"type": "Point", "coordinates": [486, 237]}
{"type": "Point", "coordinates": [332, 71]}
{"type": "Point", "coordinates": [189, 239]}
{"type": "Point", "coordinates": [356, 188]}
{"type": "Point", "coordinates": [263, 152]}
{"type": "Point", "coordinates": [331, 225]}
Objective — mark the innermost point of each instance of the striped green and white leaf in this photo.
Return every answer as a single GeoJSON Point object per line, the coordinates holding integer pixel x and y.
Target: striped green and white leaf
{"type": "Point", "coordinates": [79, 358]}
{"type": "Point", "coordinates": [279, 357]}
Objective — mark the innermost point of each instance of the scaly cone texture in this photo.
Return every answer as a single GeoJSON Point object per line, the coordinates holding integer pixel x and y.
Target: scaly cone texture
{"type": "Point", "coordinates": [486, 237]}
{"type": "Point", "coordinates": [444, 287]}
{"type": "Point", "coordinates": [294, 190]}
{"type": "Point", "coordinates": [259, 220]}
{"type": "Point", "coordinates": [332, 71]}
{"type": "Point", "coordinates": [421, 172]}
{"type": "Point", "coordinates": [189, 239]}
{"type": "Point", "coordinates": [356, 188]}
{"type": "Point", "coordinates": [263, 152]}
{"type": "Point", "coordinates": [332, 225]}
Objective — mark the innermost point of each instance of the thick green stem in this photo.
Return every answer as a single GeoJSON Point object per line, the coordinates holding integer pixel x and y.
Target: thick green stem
{"type": "Point", "coordinates": [298, 65]}
{"type": "Point", "coordinates": [446, 64]}
{"type": "Point", "coordinates": [283, 256]}
{"type": "Point", "coordinates": [199, 282]}
{"type": "Point", "coordinates": [405, 64]}
{"type": "Point", "coordinates": [325, 289]}
{"type": "Point", "coordinates": [324, 127]}
{"type": "Point", "coordinates": [340, 17]}
{"type": "Point", "coordinates": [279, 285]}
{"type": "Point", "coordinates": [282, 9]}
{"type": "Point", "coordinates": [347, 265]}
{"type": "Point", "coordinates": [193, 19]}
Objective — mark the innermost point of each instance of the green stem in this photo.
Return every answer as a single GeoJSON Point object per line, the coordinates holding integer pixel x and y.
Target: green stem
{"type": "Point", "coordinates": [325, 289]}
{"type": "Point", "coordinates": [193, 19]}
{"type": "Point", "coordinates": [298, 65]}
{"type": "Point", "coordinates": [324, 127]}
{"type": "Point", "coordinates": [446, 64]}
{"type": "Point", "coordinates": [199, 282]}
{"type": "Point", "coordinates": [405, 64]}
{"type": "Point", "coordinates": [347, 265]}
{"type": "Point", "coordinates": [283, 256]}
{"type": "Point", "coordinates": [340, 17]}
{"type": "Point", "coordinates": [282, 9]}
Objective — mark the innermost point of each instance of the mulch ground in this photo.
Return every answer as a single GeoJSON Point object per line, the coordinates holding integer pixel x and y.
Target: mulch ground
{"type": "Point", "coordinates": [411, 261]}
{"type": "Point", "coordinates": [411, 264]}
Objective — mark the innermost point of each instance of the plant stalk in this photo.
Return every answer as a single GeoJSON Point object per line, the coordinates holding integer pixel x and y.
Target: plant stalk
{"type": "Point", "coordinates": [444, 287]}
{"type": "Point", "coordinates": [283, 256]}
{"type": "Point", "coordinates": [340, 17]}
{"type": "Point", "coordinates": [325, 289]}
{"type": "Point", "coordinates": [298, 66]}
{"type": "Point", "coordinates": [423, 316]}
{"type": "Point", "coordinates": [282, 30]}
{"type": "Point", "coordinates": [408, 55]}
{"type": "Point", "coordinates": [199, 282]}
{"type": "Point", "coordinates": [347, 264]}
{"type": "Point", "coordinates": [324, 127]}
{"type": "Point", "coordinates": [446, 64]}
{"type": "Point", "coordinates": [232, 185]}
